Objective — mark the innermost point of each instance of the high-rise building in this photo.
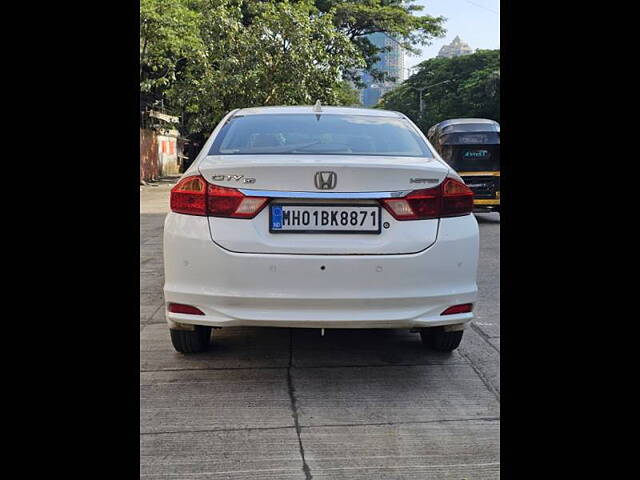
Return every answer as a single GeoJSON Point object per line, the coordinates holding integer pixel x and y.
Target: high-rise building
{"type": "Point", "coordinates": [455, 49]}
{"type": "Point", "coordinates": [391, 62]}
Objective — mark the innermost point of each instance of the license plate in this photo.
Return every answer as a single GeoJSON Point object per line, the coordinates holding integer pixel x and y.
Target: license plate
{"type": "Point", "coordinates": [335, 218]}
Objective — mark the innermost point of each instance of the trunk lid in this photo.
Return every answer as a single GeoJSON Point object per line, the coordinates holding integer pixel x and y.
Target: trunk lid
{"type": "Point", "coordinates": [285, 175]}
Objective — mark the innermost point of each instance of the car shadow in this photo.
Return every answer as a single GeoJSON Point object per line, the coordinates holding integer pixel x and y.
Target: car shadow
{"type": "Point", "coordinates": [487, 217]}
{"type": "Point", "coordinates": [260, 347]}
{"type": "Point", "coordinates": [351, 347]}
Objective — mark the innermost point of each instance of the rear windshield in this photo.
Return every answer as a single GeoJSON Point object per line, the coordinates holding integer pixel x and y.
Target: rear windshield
{"type": "Point", "coordinates": [472, 158]}
{"type": "Point", "coordinates": [305, 134]}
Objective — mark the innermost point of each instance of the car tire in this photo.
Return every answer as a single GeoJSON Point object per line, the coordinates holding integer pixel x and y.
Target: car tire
{"type": "Point", "coordinates": [440, 340]}
{"type": "Point", "coordinates": [191, 341]}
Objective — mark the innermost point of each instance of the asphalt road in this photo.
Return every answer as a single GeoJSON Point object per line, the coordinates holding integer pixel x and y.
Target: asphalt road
{"type": "Point", "coordinates": [268, 403]}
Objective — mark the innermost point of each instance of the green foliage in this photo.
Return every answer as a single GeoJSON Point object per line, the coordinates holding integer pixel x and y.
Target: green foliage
{"type": "Point", "coordinates": [473, 89]}
{"type": "Point", "coordinates": [169, 38]}
{"type": "Point", "coordinates": [202, 58]}
{"type": "Point", "coordinates": [206, 60]}
{"type": "Point", "coordinates": [286, 56]}
{"type": "Point", "coordinates": [396, 18]}
{"type": "Point", "coordinates": [347, 95]}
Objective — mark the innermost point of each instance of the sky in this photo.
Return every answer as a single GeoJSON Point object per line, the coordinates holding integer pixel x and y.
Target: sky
{"type": "Point", "coordinates": [477, 22]}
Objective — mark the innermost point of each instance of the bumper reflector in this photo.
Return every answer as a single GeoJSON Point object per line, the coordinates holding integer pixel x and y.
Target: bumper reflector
{"type": "Point", "coordinates": [464, 308]}
{"type": "Point", "coordinates": [188, 309]}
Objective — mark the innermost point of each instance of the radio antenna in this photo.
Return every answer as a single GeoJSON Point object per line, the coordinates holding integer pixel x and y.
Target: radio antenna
{"type": "Point", "coordinates": [318, 109]}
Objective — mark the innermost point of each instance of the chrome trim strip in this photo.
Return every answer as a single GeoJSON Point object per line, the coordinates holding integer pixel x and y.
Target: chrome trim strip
{"type": "Point", "coordinates": [282, 194]}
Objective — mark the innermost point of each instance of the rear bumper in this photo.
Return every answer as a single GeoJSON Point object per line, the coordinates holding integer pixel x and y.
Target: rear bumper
{"type": "Point", "coordinates": [351, 291]}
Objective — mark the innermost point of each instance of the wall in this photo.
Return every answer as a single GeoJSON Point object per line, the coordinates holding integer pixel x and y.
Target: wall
{"type": "Point", "coordinates": [168, 153]}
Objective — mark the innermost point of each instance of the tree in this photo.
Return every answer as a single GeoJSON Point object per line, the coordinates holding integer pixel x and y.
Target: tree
{"type": "Point", "coordinates": [169, 39]}
{"type": "Point", "coordinates": [397, 18]}
{"type": "Point", "coordinates": [347, 95]}
{"type": "Point", "coordinates": [472, 89]}
{"type": "Point", "coordinates": [481, 92]}
{"type": "Point", "coordinates": [202, 58]}
{"type": "Point", "coordinates": [286, 56]}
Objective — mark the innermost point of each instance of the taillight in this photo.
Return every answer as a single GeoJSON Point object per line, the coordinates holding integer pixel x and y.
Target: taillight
{"type": "Point", "coordinates": [419, 204]}
{"type": "Point", "coordinates": [457, 199]}
{"type": "Point", "coordinates": [229, 202]}
{"type": "Point", "coordinates": [194, 196]}
{"type": "Point", "coordinates": [451, 198]}
{"type": "Point", "coordinates": [189, 196]}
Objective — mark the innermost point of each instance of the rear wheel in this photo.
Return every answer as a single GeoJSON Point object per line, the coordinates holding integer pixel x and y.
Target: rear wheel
{"type": "Point", "coordinates": [440, 340]}
{"type": "Point", "coordinates": [191, 341]}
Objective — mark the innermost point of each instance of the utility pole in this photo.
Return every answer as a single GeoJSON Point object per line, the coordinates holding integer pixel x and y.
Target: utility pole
{"type": "Point", "coordinates": [422, 89]}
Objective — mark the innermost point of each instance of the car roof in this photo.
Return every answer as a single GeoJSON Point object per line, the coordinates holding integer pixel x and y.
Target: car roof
{"type": "Point", "coordinates": [491, 125]}
{"type": "Point", "coordinates": [461, 125]}
{"type": "Point", "coordinates": [326, 110]}
{"type": "Point", "coordinates": [461, 121]}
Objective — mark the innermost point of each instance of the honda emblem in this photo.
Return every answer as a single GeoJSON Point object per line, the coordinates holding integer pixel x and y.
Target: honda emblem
{"type": "Point", "coordinates": [326, 180]}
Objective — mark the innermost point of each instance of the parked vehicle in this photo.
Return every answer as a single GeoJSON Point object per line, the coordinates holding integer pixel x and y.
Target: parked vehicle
{"type": "Point", "coordinates": [471, 146]}
{"type": "Point", "coordinates": [319, 217]}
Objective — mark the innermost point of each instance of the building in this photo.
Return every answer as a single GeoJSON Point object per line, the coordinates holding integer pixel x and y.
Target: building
{"type": "Point", "coordinates": [160, 146]}
{"type": "Point", "coordinates": [391, 62]}
{"type": "Point", "coordinates": [455, 49]}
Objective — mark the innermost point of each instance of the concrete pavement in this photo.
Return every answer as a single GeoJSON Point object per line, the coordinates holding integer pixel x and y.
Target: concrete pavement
{"type": "Point", "coordinates": [287, 403]}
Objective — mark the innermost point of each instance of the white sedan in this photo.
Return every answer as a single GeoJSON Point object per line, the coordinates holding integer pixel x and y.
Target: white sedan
{"type": "Point", "coordinates": [319, 217]}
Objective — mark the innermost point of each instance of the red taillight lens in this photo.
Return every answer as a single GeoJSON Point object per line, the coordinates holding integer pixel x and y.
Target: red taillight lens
{"type": "Point", "coordinates": [419, 204]}
{"type": "Point", "coordinates": [449, 199]}
{"type": "Point", "coordinates": [464, 308]}
{"type": "Point", "coordinates": [229, 202]}
{"type": "Point", "coordinates": [188, 309]}
{"type": "Point", "coordinates": [194, 196]}
{"type": "Point", "coordinates": [189, 196]}
{"type": "Point", "coordinates": [457, 198]}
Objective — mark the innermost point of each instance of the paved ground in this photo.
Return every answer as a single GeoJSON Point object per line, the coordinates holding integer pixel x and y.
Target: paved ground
{"type": "Point", "coordinates": [290, 404]}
